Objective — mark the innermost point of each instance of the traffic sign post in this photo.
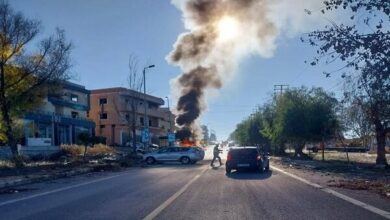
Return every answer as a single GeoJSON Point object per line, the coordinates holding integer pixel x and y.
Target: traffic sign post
{"type": "Point", "coordinates": [171, 137]}
{"type": "Point", "coordinates": [145, 136]}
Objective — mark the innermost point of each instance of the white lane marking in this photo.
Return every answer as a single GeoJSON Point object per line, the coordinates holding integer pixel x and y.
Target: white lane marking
{"type": "Point", "coordinates": [337, 194]}
{"type": "Point", "coordinates": [169, 201]}
{"type": "Point", "coordinates": [58, 190]}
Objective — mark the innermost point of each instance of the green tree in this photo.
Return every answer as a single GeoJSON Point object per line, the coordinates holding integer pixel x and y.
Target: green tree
{"type": "Point", "coordinates": [25, 76]}
{"type": "Point", "coordinates": [270, 130]}
{"type": "Point", "coordinates": [301, 116]}
{"type": "Point", "coordinates": [248, 131]}
{"type": "Point", "coordinates": [364, 46]}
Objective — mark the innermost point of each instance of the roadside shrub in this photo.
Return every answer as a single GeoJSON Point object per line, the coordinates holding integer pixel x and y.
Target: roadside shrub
{"type": "Point", "coordinates": [73, 150]}
{"type": "Point", "coordinates": [100, 150]}
{"type": "Point", "coordinates": [19, 160]}
{"type": "Point", "coordinates": [78, 150]}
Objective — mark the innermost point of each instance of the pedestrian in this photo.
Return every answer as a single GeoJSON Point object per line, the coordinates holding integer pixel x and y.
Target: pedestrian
{"type": "Point", "coordinates": [216, 152]}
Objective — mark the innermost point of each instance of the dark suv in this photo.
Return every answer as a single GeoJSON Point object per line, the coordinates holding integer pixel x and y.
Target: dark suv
{"type": "Point", "coordinates": [247, 157]}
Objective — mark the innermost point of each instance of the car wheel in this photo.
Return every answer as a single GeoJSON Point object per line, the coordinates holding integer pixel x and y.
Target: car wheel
{"type": "Point", "coordinates": [228, 170]}
{"type": "Point", "coordinates": [185, 160]}
{"type": "Point", "coordinates": [150, 160]}
{"type": "Point", "coordinates": [261, 167]}
{"type": "Point", "coordinates": [267, 167]}
{"type": "Point", "coordinates": [194, 162]}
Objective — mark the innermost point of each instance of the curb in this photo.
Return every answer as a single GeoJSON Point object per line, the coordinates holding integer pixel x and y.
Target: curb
{"type": "Point", "coordinates": [23, 180]}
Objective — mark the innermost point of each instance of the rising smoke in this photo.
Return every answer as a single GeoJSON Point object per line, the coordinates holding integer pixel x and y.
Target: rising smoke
{"type": "Point", "coordinates": [221, 33]}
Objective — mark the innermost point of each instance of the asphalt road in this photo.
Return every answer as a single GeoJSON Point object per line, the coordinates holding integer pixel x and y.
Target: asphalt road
{"type": "Point", "coordinates": [177, 192]}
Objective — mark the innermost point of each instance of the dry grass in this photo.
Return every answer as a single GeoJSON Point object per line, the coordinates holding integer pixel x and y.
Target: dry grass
{"type": "Point", "coordinates": [353, 157]}
{"type": "Point", "coordinates": [381, 187]}
{"type": "Point", "coordinates": [78, 150]}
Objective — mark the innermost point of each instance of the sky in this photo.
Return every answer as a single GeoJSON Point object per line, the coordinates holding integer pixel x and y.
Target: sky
{"type": "Point", "coordinates": [104, 33]}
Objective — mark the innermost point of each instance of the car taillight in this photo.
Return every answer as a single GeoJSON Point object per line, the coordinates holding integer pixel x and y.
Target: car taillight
{"type": "Point", "coordinates": [229, 157]}
{"type": "Point", "coordinates": [258, 157]}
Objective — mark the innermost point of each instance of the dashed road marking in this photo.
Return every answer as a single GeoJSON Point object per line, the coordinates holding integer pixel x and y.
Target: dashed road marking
{"type": "Point", "coordinates": [169, 201]}
{"type": "Point", "coordinates": [337, 194]}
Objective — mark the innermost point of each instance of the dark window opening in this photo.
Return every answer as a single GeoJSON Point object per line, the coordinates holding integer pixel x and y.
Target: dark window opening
{"type": "Point", "coordinates": [103, 116]}
{"type": "Point", "coordinates": [75, 114]}
{"type": "Point", "coordinates": [102, 101]}
{"type": "Point", "coordinates": [150, 123]}
{"type": "Point", "coordinates": [141, 120]}
{"type": "Point", "coordinates": [102, 126]}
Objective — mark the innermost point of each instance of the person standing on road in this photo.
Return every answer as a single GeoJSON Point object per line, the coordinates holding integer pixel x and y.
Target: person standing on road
{"type": "Point", "coordinates": [216, 152]}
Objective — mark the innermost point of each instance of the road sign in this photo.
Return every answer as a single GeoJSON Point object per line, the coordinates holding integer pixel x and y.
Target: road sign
{"type": "Point", "coordinates": [171, 137]}
{"type": "Point", "coordinates": [145, 135]}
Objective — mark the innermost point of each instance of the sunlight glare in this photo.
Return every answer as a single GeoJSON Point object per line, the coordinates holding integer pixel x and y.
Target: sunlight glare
{"type": "Point", "coordinates": [227, 28]}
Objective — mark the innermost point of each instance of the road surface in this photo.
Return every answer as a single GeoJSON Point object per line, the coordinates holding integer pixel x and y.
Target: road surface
{"type": "Point", "coordinates": [173, 191]}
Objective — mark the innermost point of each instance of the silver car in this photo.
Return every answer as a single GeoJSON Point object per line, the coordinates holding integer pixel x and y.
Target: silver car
{"type": "Point", "coordinates": [185, 155]}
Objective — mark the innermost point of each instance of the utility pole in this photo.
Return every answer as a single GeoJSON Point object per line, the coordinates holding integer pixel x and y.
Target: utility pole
{"type": "Point", "coordinates": [146, 122]}
{"type": "Point", "coordinates": [280, 88]}
{"type": "Point", "coordinates": [170, 121]}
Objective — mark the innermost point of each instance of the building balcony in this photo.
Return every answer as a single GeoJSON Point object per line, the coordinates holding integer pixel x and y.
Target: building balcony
{"type": "Point", "coordinates": [50, 117]}
{"type": "Point", "coordinates": [61, 102]}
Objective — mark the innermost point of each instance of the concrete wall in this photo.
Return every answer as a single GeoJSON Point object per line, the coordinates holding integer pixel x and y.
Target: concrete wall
{"type": "Point", "coordinates": [5, 151]}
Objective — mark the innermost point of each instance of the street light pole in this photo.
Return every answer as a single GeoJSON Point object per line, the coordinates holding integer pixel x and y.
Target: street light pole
{"type": "Point", "coordinates": [169, 112]}
{"type": "Point", "coordinates": [170, 122]}
{"type": "Point", "coordinates": [146, 122]}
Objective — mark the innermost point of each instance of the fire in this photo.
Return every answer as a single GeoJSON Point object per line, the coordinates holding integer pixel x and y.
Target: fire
{"type": "Point", "coordinates": [187, 143]}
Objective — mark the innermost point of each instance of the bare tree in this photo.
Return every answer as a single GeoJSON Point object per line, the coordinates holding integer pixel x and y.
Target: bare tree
{"type": "Point", "coordinates": [135, 84]}
{"type": "Point", "coordinates": [363, 45]}
{"type": "Point", "coordinates": [25, 77]}
{"type": "Point", "coordinates": [129, 113]}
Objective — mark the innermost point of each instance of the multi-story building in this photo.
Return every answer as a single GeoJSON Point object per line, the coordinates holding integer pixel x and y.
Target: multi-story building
{"type": "Point", "coordinates": [112, 111]}
{"type": "Point", "coordinates": [62, 117]}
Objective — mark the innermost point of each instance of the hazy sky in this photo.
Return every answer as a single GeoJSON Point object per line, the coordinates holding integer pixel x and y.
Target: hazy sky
{"type": "Point", "coordinates": [105, 32]}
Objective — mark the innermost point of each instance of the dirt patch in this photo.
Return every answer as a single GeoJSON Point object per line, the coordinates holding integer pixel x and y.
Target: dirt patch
{"type": "Point", "coordinates": [381, 187]}
{"type": "Point", "coordinates": [335, 173]}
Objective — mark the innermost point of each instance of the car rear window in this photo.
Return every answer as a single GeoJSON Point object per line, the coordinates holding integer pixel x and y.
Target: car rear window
{"type": "Point", "coordinates": [244, 152]}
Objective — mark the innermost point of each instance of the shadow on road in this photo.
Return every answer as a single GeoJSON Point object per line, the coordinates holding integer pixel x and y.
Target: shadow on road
{"type": "Point", "coordinates": [249, 175]}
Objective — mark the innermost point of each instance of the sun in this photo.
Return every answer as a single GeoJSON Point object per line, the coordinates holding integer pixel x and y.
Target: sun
{"type": "Point", "coordinates": [227, 28]}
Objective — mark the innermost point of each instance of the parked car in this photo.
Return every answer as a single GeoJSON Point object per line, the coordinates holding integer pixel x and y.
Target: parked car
{"type": "Point", "coordinates": [247, 157]}
{"type": "Point", "coordinates": [200, 151]}
{"type": "Point", "coordinates": [185, 155]}
{"type": "Point", "coordinates": [152, 147]}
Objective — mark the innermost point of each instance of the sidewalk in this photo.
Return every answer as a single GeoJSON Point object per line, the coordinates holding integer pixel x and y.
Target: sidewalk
{"type": "Point", "coordinates": [370, 187]}
{"type": "Point", "coordinates": [22, 177]}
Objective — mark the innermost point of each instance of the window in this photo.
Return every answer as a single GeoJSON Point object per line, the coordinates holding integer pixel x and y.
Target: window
{"type": "Point", "coordinates": [102, 101]}
{"type": "Point", "coordinates": [102, 126]}
{"type": "Point", "coordinates": [103, 116]}
{"type": "Point", "coordinates": [127, 116]}
{"type": "Point", "coordinates": [74, 98]}
{"type": "Point", "coordinates": [75, 114]}
{"type": "Point", "coordinates": [150, 123]}
{"type": "Point", "coordinates": [141, 120]}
